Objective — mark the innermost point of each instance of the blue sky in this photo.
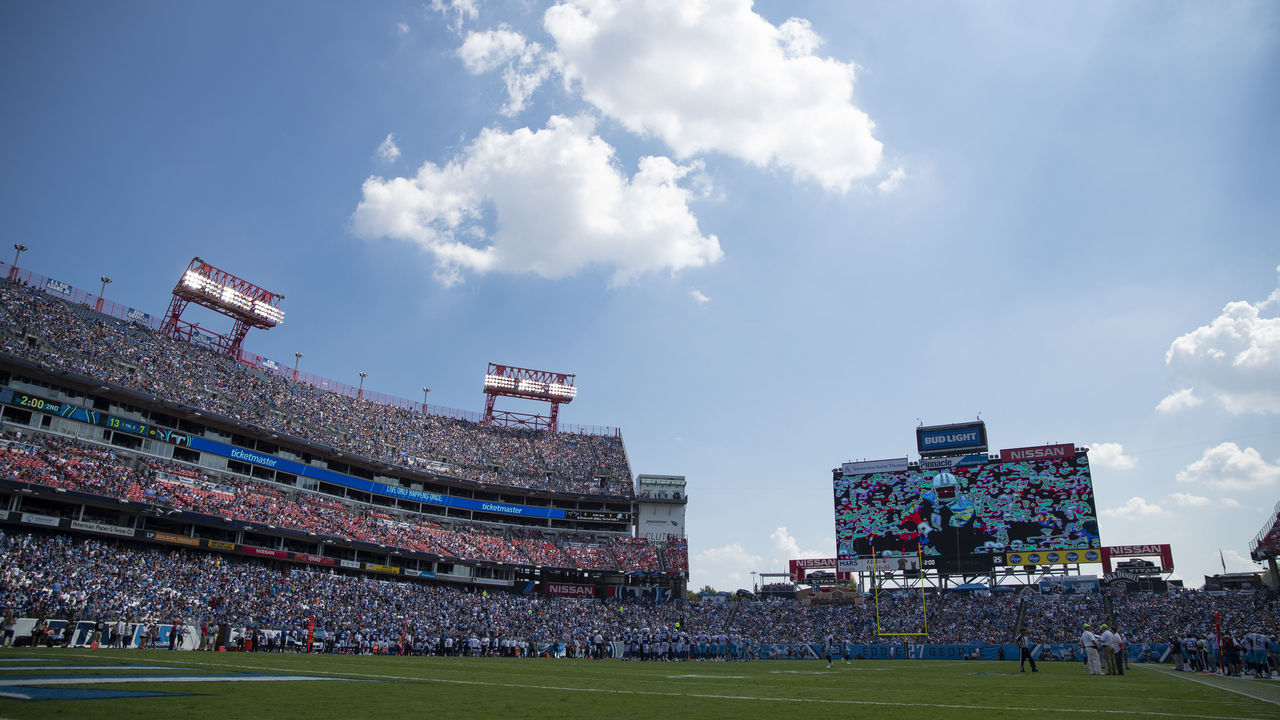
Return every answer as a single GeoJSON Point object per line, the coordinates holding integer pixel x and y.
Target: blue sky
{"type": "Point", "coordinates": [767, 238]}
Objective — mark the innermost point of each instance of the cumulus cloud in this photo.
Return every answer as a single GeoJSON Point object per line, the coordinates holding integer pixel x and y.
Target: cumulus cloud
{"type": "Point", "coordinates": [717, 77]}
{"type": "Point", "coordinates": [1227, 467]}
{"type": "Point", "coordinates": [555, 200]}
{"type": "Point", "coordinates": [698, 297]}
{"type": "Point", "coordinates": [1110, 456]}
{"type": "Point", "coordinates": [1179, 400]}
{"type": "Point", "coordinates": [525, 68]}
{"type": "Point", "coordinates": [1235, 359]}
{"type": "Point", "coordinates": [387, 150]}
{"type": "Point", "coordinates": [461, 11]}
{"type": "Point", "coordinates": [1188, 500]}
{"type": "Point", "coordinates": [723, 568]}
{"type": "Point", "coordinates": [891, 183]}
{"type": "Point", "coordinates": [786, 547]}
{"type": "Point", "coordinates": [1135, 508]}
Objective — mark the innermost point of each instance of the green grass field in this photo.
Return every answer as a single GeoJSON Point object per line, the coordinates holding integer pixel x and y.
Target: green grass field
{"type": "Point", "coordinates": [392, 687]}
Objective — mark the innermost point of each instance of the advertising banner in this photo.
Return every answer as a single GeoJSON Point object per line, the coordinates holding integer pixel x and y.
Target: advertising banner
{"type": "Point", "coordinates": [866, 467]}
{"type": "Point", "coordinates": [264, 552]}
{"type": "Point", "coordinates": [57, 287]}
{"type": "Point", "coordinates": [329, 476]}
{"type": "Point", "coordinates": [570, 590]}
{"type": "Point", "coordinates": [956, 439]}
{"type": "Point", "coordinates": [1042, 452]}
{"type": "Point", "coordinates": [382, 568]}
{"type": "Point", "coordinates": [220, 544]}
{"type": "Point", "coordinates": [1164, 550]}
{"type": "Point", "coordinates": [171, 538]}
{"type": "Point", "coordinates": [37, 519]}
{"type": "Point", "coordinates": [905, 563]}
{"type": "Point", "coordinates": [138, 316]}
{"type": "Point", "coordinates": [1053, 557]}
{"type": "Point", "coordinates": [102, 528]}
{"type": "Point", "coordinates": [938, 463]}
{"type": "Point", "coordinates": [313, 559]}
{"type": "Point", "coordinates": [349, 564]}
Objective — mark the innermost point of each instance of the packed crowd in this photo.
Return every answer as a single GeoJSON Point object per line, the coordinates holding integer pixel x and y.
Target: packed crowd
{"type": "Point", "coordinates": [67, 577]}
{"type": "Point", "coordinates": [70, 465]}
{"type": "Point", "coordinates": [78, 340]}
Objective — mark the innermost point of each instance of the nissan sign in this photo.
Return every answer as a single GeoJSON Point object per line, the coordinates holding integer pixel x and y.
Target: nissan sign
{"type": "Point", "coordinates": [1043, 452]}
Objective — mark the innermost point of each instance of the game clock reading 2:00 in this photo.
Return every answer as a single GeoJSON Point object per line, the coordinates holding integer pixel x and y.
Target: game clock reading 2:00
{"type": "Point", "coordinates": [8, 396]}
{"type": "Point", "coordinates": [986, 509]}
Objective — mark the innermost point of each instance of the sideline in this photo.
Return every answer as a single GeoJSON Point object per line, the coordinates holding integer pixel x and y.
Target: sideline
{"type": "Point", "coordinates": [1193, 678]}
{"type": "Point", "coordinates": [757, 698]}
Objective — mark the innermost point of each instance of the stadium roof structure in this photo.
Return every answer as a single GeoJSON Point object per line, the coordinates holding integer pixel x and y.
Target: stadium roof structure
{"type": "Point", "coordinates": [247, 304]}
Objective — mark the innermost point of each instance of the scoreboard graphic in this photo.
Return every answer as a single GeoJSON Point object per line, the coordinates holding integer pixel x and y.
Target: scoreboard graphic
{"type": "Point", "coordinates": [968, 511]}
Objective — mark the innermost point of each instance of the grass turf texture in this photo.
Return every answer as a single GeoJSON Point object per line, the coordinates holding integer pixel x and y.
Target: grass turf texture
{"type": "Point", "coordinates": [485, 687]}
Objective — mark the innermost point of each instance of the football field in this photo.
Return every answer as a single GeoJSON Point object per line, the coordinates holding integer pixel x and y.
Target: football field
{"type": "Point", "coordinates": [132, 683]}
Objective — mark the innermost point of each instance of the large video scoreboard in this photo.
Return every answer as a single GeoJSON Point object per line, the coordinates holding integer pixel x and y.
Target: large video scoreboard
{"type": "Point", "coordinates": [968, 517]}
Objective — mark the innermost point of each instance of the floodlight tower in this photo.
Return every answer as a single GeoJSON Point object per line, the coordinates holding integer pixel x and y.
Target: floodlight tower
{"type": "Point", "coordinates": [247, 304]}
{"type": "Point", "coordinates": [542, 385]}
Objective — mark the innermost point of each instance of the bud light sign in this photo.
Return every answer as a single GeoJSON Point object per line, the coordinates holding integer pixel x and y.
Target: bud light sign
{"type": "Point", "coordinates": [958, 439]}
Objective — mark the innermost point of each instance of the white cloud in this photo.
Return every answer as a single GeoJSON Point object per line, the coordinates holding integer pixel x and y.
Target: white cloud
{"type": "Point", "coordinates": [723, 568]}
{"type": "Point", "coordinates": [1235, 359]}
{"type": "Point", "coordinates": [1174, 402]}
{"type": "Point", "coordinates": [698, 297]}
{"type": "Point", "coordinates": [525, 69]}
{"type": "Point", "coordinates": [717, 77]}
{"type": "Point", "coordinates": [461, 10]}
{"type": "Point", "coordinates": [785, 547]}
{"type": "Point", "coordinates": [559, 205]}
{"type": "Point", "coordinates": [892, 182]}
{"type": "Point", "coordinates": [388, 150]}
{"type": "Point", "coordinates": [402, 28]}
{"type": "Point", "coordinates": [1134, 509]}
{"type": "Point", "coordinates": [1110, 456]}
{"type": "Point", "coordinates": [1227, 467]}
{"type": "Point", "coordinates": [1188, 500]}
{"type": "Point", "coordinates": [484, 51]}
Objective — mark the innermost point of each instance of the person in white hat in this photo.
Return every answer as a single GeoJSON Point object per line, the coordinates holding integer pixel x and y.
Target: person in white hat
{"type": "Point", "coordinates": [1090, 643]}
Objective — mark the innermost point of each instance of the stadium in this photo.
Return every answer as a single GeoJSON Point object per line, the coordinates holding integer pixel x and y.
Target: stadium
{"type": "Point", "coordinates": [165, 489]}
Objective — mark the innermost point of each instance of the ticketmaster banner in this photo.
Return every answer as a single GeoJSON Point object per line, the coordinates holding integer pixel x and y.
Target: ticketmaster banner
{"type": "Point", "coordinates": [329, 476]}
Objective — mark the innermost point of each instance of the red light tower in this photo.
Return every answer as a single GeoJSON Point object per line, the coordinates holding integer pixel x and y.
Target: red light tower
{"type": "Point", "coordinates": [203, 284]}
{"type": "Point", "coordinates": [541, 385]}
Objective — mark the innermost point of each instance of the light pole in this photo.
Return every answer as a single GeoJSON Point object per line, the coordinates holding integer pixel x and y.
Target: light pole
{"type": "Point", "coordinates": [360, 390]}
{"type": "Point", "coordinates": [13, 270]}
{"type": "Point", "coordinates": [105, 282]}
{"type": "Point", "coordinates": [425, 390]}
{"type": "Point", "coordinates": [296, 357]}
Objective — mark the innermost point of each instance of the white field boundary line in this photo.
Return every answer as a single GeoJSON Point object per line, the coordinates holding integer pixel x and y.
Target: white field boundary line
{"type": "Point", "coordinates": [1192, 678]}
{"type": "Point", "coordinates": [753, 698]}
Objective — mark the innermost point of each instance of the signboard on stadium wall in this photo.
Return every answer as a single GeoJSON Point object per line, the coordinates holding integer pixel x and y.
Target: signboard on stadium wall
{"type": "Point", "coordinates": [1053, 557]}
{"type": "Point", "coordinates": [1042, 452]}
{"type": "Point", "coordinates": [1163, 550]}
{"type": "Point", "coordinates": [569, 590]}
{"type": "Point", "coordinates": [866, 467]}
{"type": "Point", "coordinates": [905, 563]}
{"type": "Point", "coordinates": [955, 439]}
{"type": "Point", "coordinates": [940, 463]}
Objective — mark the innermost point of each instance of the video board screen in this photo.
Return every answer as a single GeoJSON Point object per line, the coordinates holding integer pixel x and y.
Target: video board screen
{"type": "Point", "coordinates": [970, 510]}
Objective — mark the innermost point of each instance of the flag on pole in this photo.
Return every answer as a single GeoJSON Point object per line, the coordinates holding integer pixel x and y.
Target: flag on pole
{"type": "Point", "coordinates": [1222, 560]}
